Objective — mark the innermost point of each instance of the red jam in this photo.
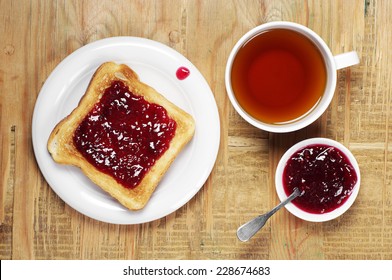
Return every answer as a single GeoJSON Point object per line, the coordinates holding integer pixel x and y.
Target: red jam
{"type": "Point", "coordinates": [324, 175]}
{"type": "Point", "coordinates": [182, 73]}
{"type": "Point", "coordinates": [124, 135]}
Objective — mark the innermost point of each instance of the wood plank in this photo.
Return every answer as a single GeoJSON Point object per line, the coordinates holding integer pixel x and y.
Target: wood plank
{"type": "Point", "coordinates": [36, 224]}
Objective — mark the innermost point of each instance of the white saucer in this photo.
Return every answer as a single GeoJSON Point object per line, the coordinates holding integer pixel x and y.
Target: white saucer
{"type": "Point", "coordinates": [156, 64]}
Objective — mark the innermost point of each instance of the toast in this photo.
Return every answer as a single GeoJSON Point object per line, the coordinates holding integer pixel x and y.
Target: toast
{"type": "Point", "coordinates": [124, 151]}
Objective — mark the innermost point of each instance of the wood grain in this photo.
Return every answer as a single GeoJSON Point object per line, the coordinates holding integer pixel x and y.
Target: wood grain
{"type": "Point", "coordinates": [36, 224]}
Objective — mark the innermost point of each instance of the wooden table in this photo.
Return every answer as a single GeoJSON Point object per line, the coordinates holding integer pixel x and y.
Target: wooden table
{"type": "Point", "coordinates": [36, 224]}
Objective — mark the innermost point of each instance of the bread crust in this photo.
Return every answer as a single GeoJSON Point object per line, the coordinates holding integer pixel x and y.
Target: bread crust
{"type": "Point", "coordinates": [62, 149]}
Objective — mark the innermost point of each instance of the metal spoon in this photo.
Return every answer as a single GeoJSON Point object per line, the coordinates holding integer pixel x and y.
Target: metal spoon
{"type": "Point", "coordinates": [247, 230]}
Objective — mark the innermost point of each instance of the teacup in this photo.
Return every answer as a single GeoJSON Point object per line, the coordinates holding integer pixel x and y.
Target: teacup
{"type": "Point", "coordinates": [281, 76]}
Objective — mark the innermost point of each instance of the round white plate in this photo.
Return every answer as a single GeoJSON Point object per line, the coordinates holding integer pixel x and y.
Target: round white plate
{"type": "Point", "coordinates": [156, 64]}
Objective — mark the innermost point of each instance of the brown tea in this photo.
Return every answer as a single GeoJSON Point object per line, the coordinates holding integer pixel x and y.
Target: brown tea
{"type": "Point", "coordinates": [278, 76]}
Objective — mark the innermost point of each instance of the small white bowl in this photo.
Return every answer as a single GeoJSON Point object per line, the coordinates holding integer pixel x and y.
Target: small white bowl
{"type": "Point", "coordinates": [292, 208]}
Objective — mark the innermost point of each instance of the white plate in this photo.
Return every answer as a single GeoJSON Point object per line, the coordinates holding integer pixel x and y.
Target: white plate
{"type": "Point", "coordinates": [156, 65]}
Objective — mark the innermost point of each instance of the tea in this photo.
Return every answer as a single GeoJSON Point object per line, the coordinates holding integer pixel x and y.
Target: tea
{"type": "Point", "coordinates": [278, 76]}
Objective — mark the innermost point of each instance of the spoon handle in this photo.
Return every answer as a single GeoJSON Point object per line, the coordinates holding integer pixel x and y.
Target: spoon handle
{"type": "Point", "coordinates": [295, 193]}
{"type": "Point", "coordinates": [247, 230]}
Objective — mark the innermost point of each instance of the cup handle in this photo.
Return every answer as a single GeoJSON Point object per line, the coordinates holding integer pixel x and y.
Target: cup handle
{"type": "Point", "coordinates": [346, 59]}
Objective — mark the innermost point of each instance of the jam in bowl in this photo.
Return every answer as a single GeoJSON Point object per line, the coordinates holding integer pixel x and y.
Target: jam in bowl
{"type": "Point", "coordinates": [326, 173]}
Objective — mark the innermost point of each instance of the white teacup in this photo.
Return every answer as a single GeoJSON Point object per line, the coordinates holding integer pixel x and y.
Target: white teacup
{"type": "Point", "coordinates": [332, 64]}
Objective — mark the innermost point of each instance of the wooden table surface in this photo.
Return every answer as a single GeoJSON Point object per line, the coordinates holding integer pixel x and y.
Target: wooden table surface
{"type": "Point", "coordinates": [36, 224]}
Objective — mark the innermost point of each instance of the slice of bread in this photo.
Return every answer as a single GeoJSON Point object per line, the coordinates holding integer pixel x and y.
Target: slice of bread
{"type": "Point", "coordinates": [63, 148]}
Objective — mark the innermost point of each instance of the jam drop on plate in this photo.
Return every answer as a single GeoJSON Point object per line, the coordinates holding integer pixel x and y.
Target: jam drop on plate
{"type": "Point", "coordinates": [324, 175]}
{"type": "Point", "coordinates": [182, 73]}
